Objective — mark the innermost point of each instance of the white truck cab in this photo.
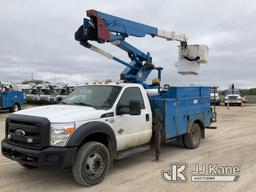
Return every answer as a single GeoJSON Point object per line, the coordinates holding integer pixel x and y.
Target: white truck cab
{"type": "Point", "coordinates": [104, 103]}
{"type": "Point", "coordinates": [113, 116]}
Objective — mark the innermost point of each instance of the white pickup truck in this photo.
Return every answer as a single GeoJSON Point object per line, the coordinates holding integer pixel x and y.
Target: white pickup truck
{"type": "Point", "coordinates": [233, 99]}
{"type": "Point", "coordinates": [101, 122]}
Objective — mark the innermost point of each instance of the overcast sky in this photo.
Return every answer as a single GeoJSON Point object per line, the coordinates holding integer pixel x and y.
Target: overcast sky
{"type": "Point", "coordinates": [37, 36]}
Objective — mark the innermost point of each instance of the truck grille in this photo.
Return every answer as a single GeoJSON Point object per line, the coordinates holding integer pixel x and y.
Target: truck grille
{"type": "Point", "coordinates": [232, 97]}
{"type": "Point", "coordinates": [27, 131]}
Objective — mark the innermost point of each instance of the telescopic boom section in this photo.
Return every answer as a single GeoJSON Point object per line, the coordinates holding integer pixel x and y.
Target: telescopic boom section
{"type": "Point", "coordinates": [104, 28]}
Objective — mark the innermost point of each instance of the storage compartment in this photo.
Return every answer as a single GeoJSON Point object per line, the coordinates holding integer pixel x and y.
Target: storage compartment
{"type": "Point", "coordinates": [186, 92]}
{"type": "Point", "coordinates": [179, 106]}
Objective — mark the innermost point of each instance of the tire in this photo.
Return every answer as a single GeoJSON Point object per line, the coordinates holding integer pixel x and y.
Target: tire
{"type": "Point", "coordinates": [91, 165]}
{"type": "Point", "coordinates": [15, 108]}
{"type": "Point", "coordinates": [26, 166]}
{"type": "Point", "coordinates": [193, 138]}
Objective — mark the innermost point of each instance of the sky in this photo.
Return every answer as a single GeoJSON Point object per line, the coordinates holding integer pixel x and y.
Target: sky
{"type": "Point", "coordinates": [37, 36]}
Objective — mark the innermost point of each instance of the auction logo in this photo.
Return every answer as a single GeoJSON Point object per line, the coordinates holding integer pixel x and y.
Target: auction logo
{"type": "Point", "coordinates": [201, 173]}
{"type": "Point", "coordinates": [176, 173]}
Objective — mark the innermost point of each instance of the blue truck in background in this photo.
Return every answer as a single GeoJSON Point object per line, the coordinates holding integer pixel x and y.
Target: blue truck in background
{"type": "Point", "coordinates": [11, 100]}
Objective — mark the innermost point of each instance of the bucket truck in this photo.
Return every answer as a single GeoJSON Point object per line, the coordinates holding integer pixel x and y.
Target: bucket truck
{"type": "Point", "coordinates": [100, 122]}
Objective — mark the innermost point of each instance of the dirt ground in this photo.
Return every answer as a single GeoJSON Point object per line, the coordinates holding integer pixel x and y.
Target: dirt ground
{"type": "Point", "coordinates": [233, 143]}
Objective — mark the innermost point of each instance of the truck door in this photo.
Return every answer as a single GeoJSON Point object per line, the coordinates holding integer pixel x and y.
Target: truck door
{"type": "Point", "coordinates": [132, 130]}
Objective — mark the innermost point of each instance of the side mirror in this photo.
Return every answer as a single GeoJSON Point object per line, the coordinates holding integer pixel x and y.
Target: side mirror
{"type": "Point", "coordinates": [121, 110]}
{"type": "Point", "coordinates": [134, 108]}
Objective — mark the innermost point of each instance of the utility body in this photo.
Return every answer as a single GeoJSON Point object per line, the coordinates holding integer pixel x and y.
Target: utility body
{"type": "Point", "coordinates": [100, 122]}
{"type": "Point", "coordinates": [11, 100]}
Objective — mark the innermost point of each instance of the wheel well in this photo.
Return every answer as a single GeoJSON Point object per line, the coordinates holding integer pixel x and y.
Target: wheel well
{"type": "Point", "coordinates": [99, 137]}
{"type": "Point", "coordinates": [16, 103]}
{"type": "Point", "coordinates": [202, 128]}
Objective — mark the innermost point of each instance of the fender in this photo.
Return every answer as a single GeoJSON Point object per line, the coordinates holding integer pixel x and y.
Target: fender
{"type": "Point", "coordinates": [90, 128]}
{"type": "Point", "coordinates": [201, 124]}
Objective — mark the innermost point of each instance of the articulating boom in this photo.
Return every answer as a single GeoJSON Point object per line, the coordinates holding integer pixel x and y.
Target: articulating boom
{"type": "Point", "coordinates": [105, 28]}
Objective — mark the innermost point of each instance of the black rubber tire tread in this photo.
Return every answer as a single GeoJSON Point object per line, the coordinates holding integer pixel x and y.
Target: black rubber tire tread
{"type": "Point", "coordinates": [188, 138]}
{"type": "Point", "coordinates": [80, 159]}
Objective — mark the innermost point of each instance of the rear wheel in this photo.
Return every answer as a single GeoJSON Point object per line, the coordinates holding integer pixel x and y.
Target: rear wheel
{"type": "Point", "coordinates": [15, 108]}
{"type": "Point", "coordinates": [193, 138]}
{"type": "Point", "coordinates": [92, 162]}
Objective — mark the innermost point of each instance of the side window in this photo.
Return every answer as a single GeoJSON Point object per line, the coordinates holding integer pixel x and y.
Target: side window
{"type": "Point", "coordinates": [131, 93]}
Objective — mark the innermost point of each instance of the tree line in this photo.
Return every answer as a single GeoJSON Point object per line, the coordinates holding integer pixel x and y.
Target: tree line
{"type": "Point", "coordinates": [251, 91]}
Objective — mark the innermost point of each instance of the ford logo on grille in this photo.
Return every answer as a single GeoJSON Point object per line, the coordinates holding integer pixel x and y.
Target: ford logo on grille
{"type": "Point", "coordinates": [20, 132]}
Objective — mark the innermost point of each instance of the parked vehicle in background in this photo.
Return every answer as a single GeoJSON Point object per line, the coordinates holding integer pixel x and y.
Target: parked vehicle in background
{"type": "Point", "coordinates": [10, 100]}
{"type": "Point", "coordinates": [233, 99]}
{"type": "Point", "coordinates": [31, 95]}
{"type": "Point", "coordinates": [47, 94]}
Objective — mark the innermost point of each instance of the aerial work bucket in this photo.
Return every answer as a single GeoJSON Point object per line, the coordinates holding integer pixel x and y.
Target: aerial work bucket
{"type": "Point", "coordinates": [189, 59]}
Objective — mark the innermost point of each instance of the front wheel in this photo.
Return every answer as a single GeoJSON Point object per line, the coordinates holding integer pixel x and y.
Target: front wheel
{"type": "Point", "coordinates": [92, 162]}
{"type": "Point", "coordinates": [193, 138]}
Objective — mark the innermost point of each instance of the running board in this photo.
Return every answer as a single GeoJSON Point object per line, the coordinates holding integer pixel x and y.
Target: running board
{"type": "Point", "coordinates": [126, 153]}
{"type": "Point", "coordinates": [211, 127]}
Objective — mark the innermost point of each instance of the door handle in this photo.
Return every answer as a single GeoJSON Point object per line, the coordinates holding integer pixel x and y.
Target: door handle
{"type": "Point", "coordinates": [147, 117]}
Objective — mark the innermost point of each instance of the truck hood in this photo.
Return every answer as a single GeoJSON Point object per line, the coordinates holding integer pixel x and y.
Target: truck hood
{"type": "Point", "coordinates": [63, 113]}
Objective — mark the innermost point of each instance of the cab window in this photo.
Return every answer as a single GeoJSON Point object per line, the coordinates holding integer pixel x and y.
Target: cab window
{"type": "Point", "coordinates": [131, 93]}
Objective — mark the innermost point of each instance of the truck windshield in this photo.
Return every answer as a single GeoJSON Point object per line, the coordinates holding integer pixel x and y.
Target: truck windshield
{"type": "Point", "coordinates": [96, 96]}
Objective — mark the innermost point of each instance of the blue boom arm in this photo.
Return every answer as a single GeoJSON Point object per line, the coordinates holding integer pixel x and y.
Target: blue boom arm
{"type": "Point", "coordinates": [104, 28]}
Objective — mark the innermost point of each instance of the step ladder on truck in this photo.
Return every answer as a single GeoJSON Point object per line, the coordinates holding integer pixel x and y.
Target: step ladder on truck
{"type": "Point", "coordinates": [100, 122]}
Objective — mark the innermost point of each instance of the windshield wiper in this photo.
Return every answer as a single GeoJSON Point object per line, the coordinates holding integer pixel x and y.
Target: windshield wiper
{"type": "Point", "coordinates": [63, 102]}
{"type": "Point", "coordinates": [84, 104]}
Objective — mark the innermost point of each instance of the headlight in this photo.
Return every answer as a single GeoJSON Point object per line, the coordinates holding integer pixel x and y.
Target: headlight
{"type": "Point", "coordinates": [60, 133]}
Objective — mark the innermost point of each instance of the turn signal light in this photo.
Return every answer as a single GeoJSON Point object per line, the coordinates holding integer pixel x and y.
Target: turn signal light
{"type": "Point", "coordinates": [70, 130]}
